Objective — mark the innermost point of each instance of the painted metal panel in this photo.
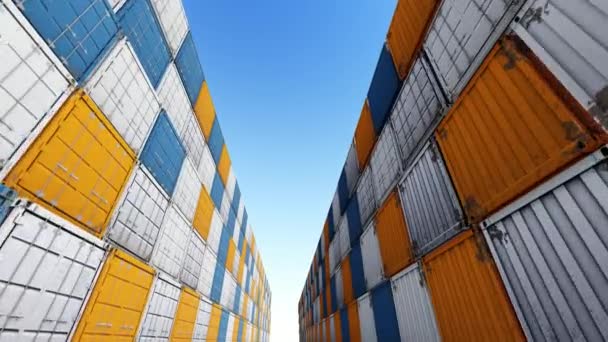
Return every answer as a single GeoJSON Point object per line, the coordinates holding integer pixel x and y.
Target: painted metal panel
{"type": "Point", "coordinates": [357, 271]}
{"type": "Point", "coordinates": [194, 143]}
{"type": "Point", "coordinates": [174, 100]}
{"type": "Point", "coordinates": [32, 81]}
{"type": "Point", "coordinates": [462, 34]}
{"type": "Point", "coordinates": [351, 169]}
{"type": "Point", "coordinates": [160, 311]}
{"type": "Point", "coordinates": [205, 280]}
{"type": "Point", "coordinates": [206, 169]}
{"type": "Point", "coordinates": [123, 93]}
{"type": "Point", "coordinates": [117, 301]}
{"type": "Point", "coordinates": [432, 210]}
{"type": "Point", "coordinates": [385, 164]}
{"type": "Point", "coordinates": [370, 254]}
{"type": "Point", "coordinates": [185, 317]}
{"type": "Point", "coordinates": [353, 217]}
{"type": "Point", "coordinates": [366, 318]}
{"type": "Point", "coordinates": [417, 109]}
{"type": "Point", "coordinates": [169, 253]}
{"type": "Point", "coordinates": [385, 315]}
{"type": "Point", "coordinates": [550, 246]}
{"type": "Point", "coordinates": [139, 24]}
{"type": "Point", "coordinates": [365, 136]}
{"type": "Point", "coordinates": [216, 141]}
{"type": "Point", "coordinates": [57, 171]}
{"type": "Point", "coordinates": [189, 68]}
{"type": "Point", "coordinates": [193, 262]}
{"type": "Point", "coordinates": [78, 33]}
{"type": "Point", "coordinates": [464, 263]}
{"type": "Point", "coordinates": [413, 306]}
{"type": "Point", "coordinates": [383, 89]}
{"type": "Point", "coordinates": [47, 266]}
{"type": "Point", "coordinates": [568, 36]}
{"type": "Point", "coordinates": [138, 220]}
{"type": "Point", "coordinates": [187, 190]}
{"type": "Point", "coordinates": [163, 154]}
{"type": "Point", "coordinates": [173, 21]}
{"type": "Point", "coordinates": [365, 196]}
{"type": "Point", "coordinates": [510, 129]}
{"type": "Point", "coordinates": [202, 321]}
{"type": "Point", "coordinates": [393, 238]}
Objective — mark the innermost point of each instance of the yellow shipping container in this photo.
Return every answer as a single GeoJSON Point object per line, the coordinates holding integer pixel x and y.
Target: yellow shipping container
{"type": "Point", "coordinates": [223, 168]}
{"type": "Point", "coordinates": [118, 300]}
{"type": "Point", "coordinates": [185, 316]}
{"type": "Point", "coordinates": [513, 126]}
{"type": "Point", "coordinates": [77, 166]}
{"type": "Point", "coordinates": [213, 329]}
{"type": "Point", "coordinates": [205, 112]}
{"type": "Point", "coordinates": [203, 214]}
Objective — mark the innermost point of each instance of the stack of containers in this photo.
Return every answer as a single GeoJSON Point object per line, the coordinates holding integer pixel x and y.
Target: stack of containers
{"type": "Point", "coordinates": [477, 178]}
{"type": "Point", "coordinates": [116, 222]}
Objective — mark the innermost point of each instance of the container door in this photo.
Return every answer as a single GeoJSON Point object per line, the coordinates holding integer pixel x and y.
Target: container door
{"type": "Point", "coordinates": [385, 163]}
{"type": "Point", "coordinates": [366, 319]}
{"type": "Point", "coordinates": [173, 21]}
{"type": "Point", "coordinates": [187, 190]}
{"type": "Point", "coordinates": [160, 311]}
{"type": "Point", "coordinates": [203, 318]}
{"type": "Point", "coordinates": [169, 253]}
{"type": "Point", "coordinates": [370, 254]}
{"type": "Point", "coordinates": [366, 197]}
{"type": "Point", "coordinates": [185, 318]}
{"type": "Point", "coordinates": [174, 100]}
{"type": "Point", "coordinates": [189, 274]}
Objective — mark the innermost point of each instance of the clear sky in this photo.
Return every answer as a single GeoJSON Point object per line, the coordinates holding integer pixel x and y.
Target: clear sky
{"type": "Point", "coordinates": [288, 80]}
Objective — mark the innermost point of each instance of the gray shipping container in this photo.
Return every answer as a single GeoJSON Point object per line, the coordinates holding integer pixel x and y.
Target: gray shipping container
{"type": "Point", "coordinates": [551, 248]}
{"type": "Point", "coordinates": [385, 164]}
{"type": "Point", "coordinates": [432, 209]}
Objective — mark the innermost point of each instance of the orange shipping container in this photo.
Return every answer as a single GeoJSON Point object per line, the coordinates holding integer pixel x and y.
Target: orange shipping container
{"type": "Point", "coordinates": [338, 326]}
{"type": "Point", "coordinates": [512, 127]}
{"type": "Point", "coordinates": [185, 317]}
{"type": "Point", "coordinates": [393, 238]}
{"type": "Point", "coordinates": [77, 166]}
{"type": "Point", "coordinates": [365, 137]}
{"type": "Point", "coordinates": [469, 299]}
{"type": "Point", "coordinates": [354, 329]}
{"type": "Point", "coordinates": [407, 31]}
{"type": "Point", "coordinates": [204, 110]}
{"type": "Point", "coordinates": [347, 281]}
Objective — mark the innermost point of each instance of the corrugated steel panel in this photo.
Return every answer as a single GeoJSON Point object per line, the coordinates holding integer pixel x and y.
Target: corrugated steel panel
{"type": "Point", "coordinates": [55, 169]}
{"type": "Point", "coordinates": [465, 264]}
{"type": "Point", "coordinates": [185, 317]}
{"type": "Point", "coordinates": [533, 131]}
{"type": "Point", "coordinates": [187, 190]}
{"type": "Point", "coordinates": [205, 280]}
{"type": "Point", "coordinates": [193, 262]}
{"type": "Point", "coordinates": [139, 24]}
{"type": "Point", "coordinates": [46, 265]}
{"type": "Point", "coordinates": [173, 21]}
{"type": "Point", "coordinates": [370, 254]}
{"type": "Point", "coordinates": [432, 210]}
{"type": "Point", "coordinates": [407, 31]}
{"type": "Point", "coordinates": [417, 109]}
{"type": "Point", "coordinates": [383, 88]}
{"type": "Point", "coordinates": [365, 136]}
{"type": "Point", "coordinates": [138, 219]}
{"type": "Point", "coordinates": [393, 238]}
{"type": "Point", "coordinates": [170, 250]}
{"type": "Point", "coordinates": [160, 310]}
{"type": "Point", "coordinates": [174, 100]}
{"type": "Point", "coordinates": [462, 34]}
{"type": "Point", "coordinates": [551, 249]}
{"type": "Point", "coordinates": [163, 154]}
{"type": "Point", "coordinates": [385, 164]}
{"type": "Point", "coordinates": [413, 306]}
{"type": "Point", "coordinates": [351, 169]}
{"type": "Point", "coordinates": [366, 318]}
{"type": "Point", "coordinates": [202, 321]}
{"type": "Point", "coordinates": [123, 93]}
{"type": "Point", "coordinates": [194, 143]}
{"type": "Point", "coordinates": [113, 313]}
{"type": "Point", "coordinates": [32, 81]}
{"type": "Point", "coordinates": [365, 196]}
{"type": "Point", "coordinates": [569, 38]}
{"type": "Point", "coordinates": [189, 68]}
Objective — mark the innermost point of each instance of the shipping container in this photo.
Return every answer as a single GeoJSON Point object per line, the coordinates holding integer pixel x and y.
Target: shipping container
{"type": "Point", "coordinates": [193, 262]}
{"type": "Point", "coordinates": [365, 196]}
{"type": "Point", "coordinates": [47, 265]}
{"type": "Point", "coordinates": [432, 209]}
{"type": "Point", "coordinates": [160, 310]}
{"type": "Point", "coordinates": [366, 318]}
{"type": "Point", "coordinates": [7, 200]}
{"type": "Point", "coordinates": [382, 90]}
{"type": "Point", "coordinates": [534, 131]}
{"type": "Point", "coordinates": [138, 219]}
{"type": "Point", "coordinates": [336, 211]}
{"type": "Point", "coordinates": [343, 239]}
{"type": "Point", "coordinates": [353, 219]}
{"type": "Point", "coordinates": [385, 163]}
{"type": "Point", "coordinates": [118, 300]}
{"type": "Point", "coordinates": [550, 247]}
{"type": "Point", "coordinates": [185, 317]}
{"type": "Point", "coordinates": [173, 22]}
{"type": "Point", "coordinates": [139, 23]}
{"type": "Point", "coordinates": [122, 91]}
{"type": "Point", "coordinates": [371, 258]}
{"type": "Point", "coordinates": [568, 38]}
{"type": "Point", "coordinates": [170, 250]}
{"type": "Point", "coordinates": [215, 232]}
{"type": "Point", "coordinates": [204, 110]}
{"type": "Point", "coordinates": [56, 171]}
{"type": "Point", "coordinates": [393, 238]}
{"type": "Point", "coordinates": [415, 313]}
{"type": "Point", "coordinates": [187, 190]}
{"type": "Point", "coordinates": [351, 169]}
{"type": "Point", "coordinates": [189, 68]}
{"type": "Point", "coordinates": [205, 281]}
{"type": "Point", "coordinates": [461, 275]}
{"type": "Point", "coordinates": [174, 100]}
{"type": "Point", "coordinates": [462, 34]}
{"type": "Point", "coordinates": [203, 319]}
{"type": "Point", "coordinates": [207, 169]}
{"type": "Point", "coordinates": [347, 280]}
{"type": "Point", "coordinates": [33, 82]}
{"type": "Point", "coordinates": [365, 136]}
{"type": "Point", "coordinates": [194, 143]}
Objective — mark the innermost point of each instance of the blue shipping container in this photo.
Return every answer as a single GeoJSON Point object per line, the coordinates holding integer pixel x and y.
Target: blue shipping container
{"type": "Point", "coordinates": [330, 224]}
{"type": "Point", "coordinates": [236, 198]}
{"type": "Point", "coordinates": [218, 282]}
{"type": "Point", "coordinates": [244, 221]}
{"type": "Point", "coordinates": [355, 229]}
{"type": "Point", "coordinates": [222, 252]}
{"type": "Point", "coordinates": [78, 32]}
{"type": "Point", "coordinates": [216, 141]}
{"type": "Point", "coordinates": [344, 325]}
{"type": "Point", "coordinates": [231, 222]}
{"type": "Point", "coordinates": [223, 329]}
{"type": "Point", "coordinates": [237, 299]}
{"type": "Point", "coordinates": [163, 153]}
{"type": "Point", "coordinates": [7, 197]}
{"type": "Point", "coordinates": [239, 337]}
{"type": "Point", "coordinates": [334, 294]}
{"type": "Point", "coordinates": [383, 89]}
{"type": "Point", "coordinates": [357, 271]}
{"type": "Point", "coordinates": [343, 192]}
{"type": "Point", "coordinates": [385, 316]}
{"type": "Point", "coordinates": [217, 191]}
{"type": "Point", "coordinates": [139, 23]}
{"type": "Point", "coordinates": [189, 68]}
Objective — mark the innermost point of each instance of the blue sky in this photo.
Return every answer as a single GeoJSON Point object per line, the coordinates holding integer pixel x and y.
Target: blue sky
{"type": "Point", "coordinates": [288, 79]}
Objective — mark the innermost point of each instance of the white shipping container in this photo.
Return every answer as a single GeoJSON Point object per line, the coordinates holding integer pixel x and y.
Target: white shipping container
{"type": "Point", "coordinates": [240, 212]}
{"type": "Point", "coordinates": [206, 169]}
{"type": "Point", "coordinates": [570, 38]}
{"type": "Point", "coordinates": [231, 184]}
{"type": "Point", "coordinates": [120, 88]}
{"type": "Point", "coordinates": [551, 250]}
{"type": "Point", "coordinates": [343, 239]}
{"type": "Point", "coordinates": [365, 196]}
{"type": "Point", "coordinates": [187, 190]}
{"type": "Point", "coordinates": [47, 266]}
{"type": "Point", "coordinates": [385, 164]}
{"type": "Point", "coordinates": [215, 232]}
{"type": "Point", "coordinates": [160, 310]}
{"type": "Point", "coordinates": [225, 207]}
{"type": "Point", "coordinates": [339, 288]}
{"type": "Point", "coordinates": [194, 142]}
{"type": "Point", "coordinates": [174, 99]}
{"type": "Point", "coordinates": [202, 321]}
{"type": "Point", "coordinates": [33, 82]}
{"type": "Point", "coordinates": [194, 261]}
{"type": "Point", "coordinates": [235, 263]}
{"type": "Point", "coordinates": [205, 280]}
{"type": "Point", "coordinates": [170, 251]}
{"type": "Point", "coordinates": [335, 208]}
{"type": "Point", "coordinates": [228, 291]}
{"type": "Point", "coordinates": [367, 324]}
{"type": "Point", "coordinates": [372, 261]}
{"type": "Point", "coordinates": [230, 328]}
{"type": "Point", "coordinates": [332, 328]}
{"type": "Point", "coordinates": [334, 254]}
{"type": "Point", "coordinates": [413, 305]}
{"type": "Point", "coordinates": [173, 21]}
{"type": "Point", "coordinates": [351, 168]}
